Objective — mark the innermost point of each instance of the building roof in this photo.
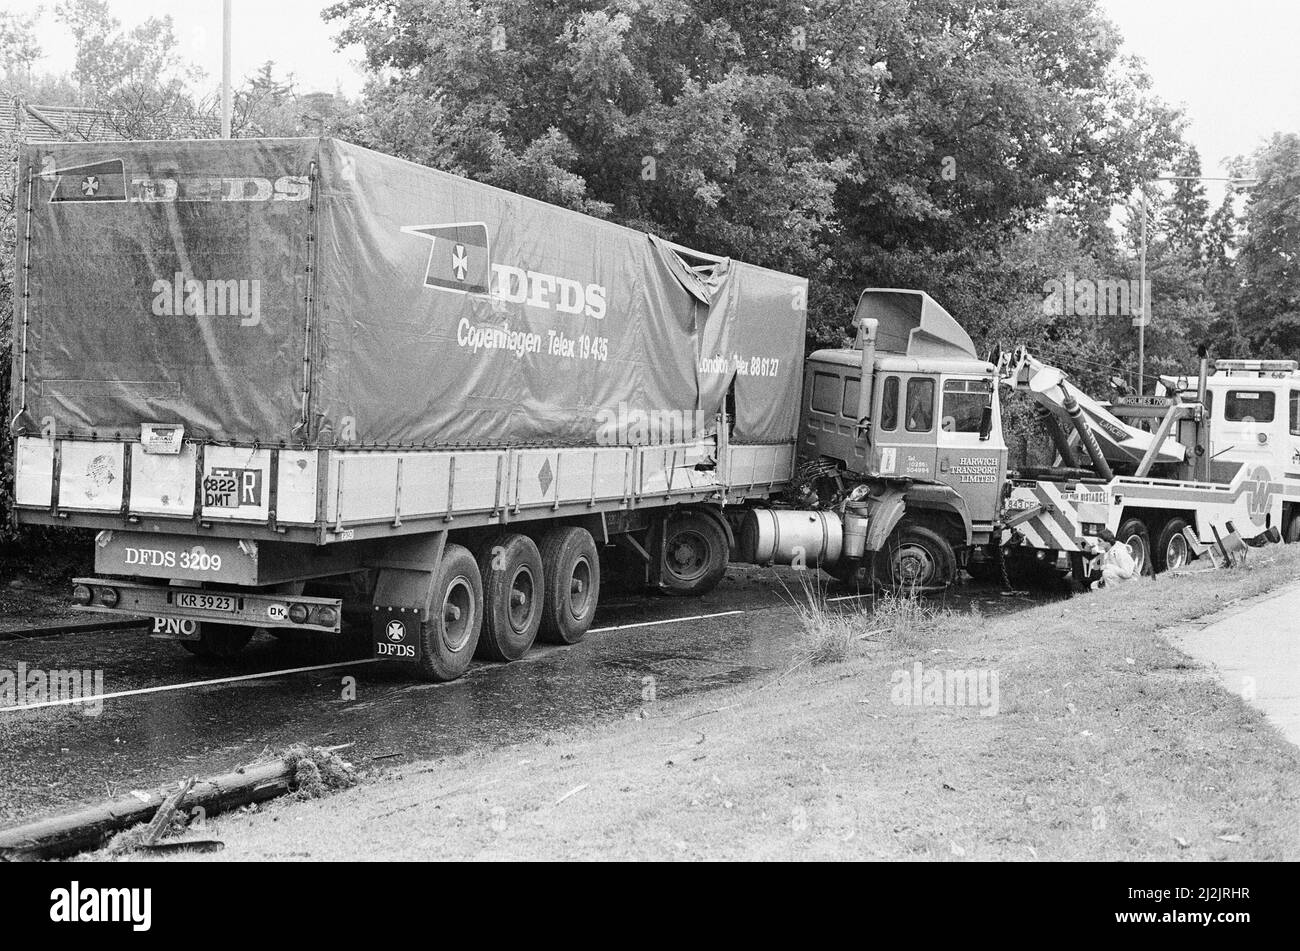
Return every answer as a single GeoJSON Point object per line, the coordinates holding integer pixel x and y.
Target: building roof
{"type": "Point", "coordinates": [37, 123]}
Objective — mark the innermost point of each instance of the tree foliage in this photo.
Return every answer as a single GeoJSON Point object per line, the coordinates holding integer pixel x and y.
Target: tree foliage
{"type": "Point", "coordinates": [856, 142]}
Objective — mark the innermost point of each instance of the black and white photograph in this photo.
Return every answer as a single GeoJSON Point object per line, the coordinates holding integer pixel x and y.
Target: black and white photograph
{"type": "Point", "coordinates": [640, 431]}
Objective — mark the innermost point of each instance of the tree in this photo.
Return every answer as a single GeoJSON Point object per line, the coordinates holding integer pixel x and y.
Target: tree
{"type": "Point", "coordinates": [136, 77]}
{"type": "Point", "coordinates": [19, 48]}
{"type": "Point", "coordinates": [1268, 304]}
{"type": "Point", "coordinates": [839, 139]}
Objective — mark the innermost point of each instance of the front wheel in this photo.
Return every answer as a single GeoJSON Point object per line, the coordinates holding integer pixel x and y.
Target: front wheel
{"type": "Point", "coordinates": [695, 555]}
{"type": "Point", "coordinates": [915, 559]}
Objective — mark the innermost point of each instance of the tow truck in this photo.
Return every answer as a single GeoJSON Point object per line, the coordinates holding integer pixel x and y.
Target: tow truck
{"type": "Point", "coordinates": [1221, 457]}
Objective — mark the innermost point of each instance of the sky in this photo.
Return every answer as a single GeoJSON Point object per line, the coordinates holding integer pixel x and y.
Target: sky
{"type": "Point", "coordinates": [290, 32]}
{"type": "Point", "coordinates": [1234, 67]}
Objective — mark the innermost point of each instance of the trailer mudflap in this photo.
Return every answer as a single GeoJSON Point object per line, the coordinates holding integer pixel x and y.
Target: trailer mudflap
{"type": "Point", "coordinates": [395, 633]}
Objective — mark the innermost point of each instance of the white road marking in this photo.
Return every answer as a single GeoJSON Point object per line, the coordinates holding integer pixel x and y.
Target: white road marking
{"type": "Point", "coordinates": [670, 620]}
{"type": "Point", "coordinates": [194, 683]}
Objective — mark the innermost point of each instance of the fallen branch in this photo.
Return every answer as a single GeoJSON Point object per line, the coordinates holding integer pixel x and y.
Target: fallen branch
{"type": "Point", "coordinates": [90, 827]}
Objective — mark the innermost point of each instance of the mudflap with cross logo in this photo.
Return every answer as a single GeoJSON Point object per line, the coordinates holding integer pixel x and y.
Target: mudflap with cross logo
{"type": "Point", "coordinates": [395, 633]}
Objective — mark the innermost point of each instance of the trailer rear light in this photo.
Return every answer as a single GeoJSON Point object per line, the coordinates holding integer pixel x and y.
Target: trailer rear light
{"type": "Point", "coordinates": [326, 616]}
{"type": "Point", "coordinates": [108, 597]}
{"type": "Point", "coordinates": [298, 613]}
{"type": "Point", "coordinates": [81, 594]}
{"type": "Point", "coordinates": [1091, 528]}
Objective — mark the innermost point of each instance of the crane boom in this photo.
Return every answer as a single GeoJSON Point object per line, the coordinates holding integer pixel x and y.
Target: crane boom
{"type": "Point", "coordinates": [1116, 440]}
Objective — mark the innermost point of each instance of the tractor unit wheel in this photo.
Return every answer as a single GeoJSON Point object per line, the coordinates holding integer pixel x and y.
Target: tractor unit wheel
{"type": "Point", "coordinates": [219, 641]}
{"type": "Point", "coordinates": [511, 568]}
{"type": "Point", "coordinates": [915, 559]}
{"type": "Point", "coordinates": [450, 636]}
{"type": "Point", "coordinates": [1134, 534]}
{"type": "Point", "coordinates": [695, 555]}
{"type": "Point", "coordinates": [1171, 549]}
{"type": "Point", "coordinates": [571, 569]}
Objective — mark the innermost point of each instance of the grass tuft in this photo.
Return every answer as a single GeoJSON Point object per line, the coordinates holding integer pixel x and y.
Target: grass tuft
{"type": "Point", "coordinates": [829, 635]}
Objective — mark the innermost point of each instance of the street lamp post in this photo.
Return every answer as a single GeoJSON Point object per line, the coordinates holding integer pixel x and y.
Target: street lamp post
{"type": "Point", "coordinates": [1142, 257]}
{"type": "Point", "coordinates": [226, 100]}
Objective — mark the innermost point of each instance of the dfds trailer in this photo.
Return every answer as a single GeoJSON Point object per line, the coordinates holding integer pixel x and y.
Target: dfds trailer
{"type": "Point", "coordinates": [285, 378]}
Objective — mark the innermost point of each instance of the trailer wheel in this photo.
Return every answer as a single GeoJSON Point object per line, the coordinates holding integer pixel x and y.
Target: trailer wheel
{"type": "Point", "coordinates": [511, 568]}
{"type": "Point", "coordinates": [219, 641]}
{"type": "Point", "coordinates": [448, 639]}
{"type": "Point", "coordinates": [1134, 534]}
{"type": "Point", "coordinates": [696, 553]}
{"type": "Point", "coordinates": [571, 584]}
{"type": "Point", "coordinates": [915, 559]}
{"type": "Point", "coordinates": [1172, 550]}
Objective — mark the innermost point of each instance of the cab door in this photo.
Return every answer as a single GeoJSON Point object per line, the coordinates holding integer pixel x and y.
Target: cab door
{"type": "Point", "coordinates": [1245, 422]}
{"type": "Point", "coordinates": [906, 413]}
{"type": "Point", "coordinates": [975, 468]}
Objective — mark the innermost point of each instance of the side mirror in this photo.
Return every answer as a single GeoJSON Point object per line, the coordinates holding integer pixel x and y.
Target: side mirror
{"type": "Point", "coordinates": [986, 423]}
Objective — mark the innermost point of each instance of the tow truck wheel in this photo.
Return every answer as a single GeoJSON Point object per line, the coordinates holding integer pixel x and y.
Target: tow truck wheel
{"type": "Point", "coordinates": [571, 584]}
{"type": "Point", "coordinates": [511, 567]}
{"type": "Point", "coordinates": [1172, 550]}
{"type": "Point", "coordinates": [695, 555]}
{"type": "Point", "coordinates": [916, 559]}
{"type": "Point", "coordinates": [219, 641]}
{"type": "Point", "coordinates": [448, 639]}
{"type": "Point", "coordinates": [1134, 534]}
{"type": "Point", "coordinates": [1292, 534]}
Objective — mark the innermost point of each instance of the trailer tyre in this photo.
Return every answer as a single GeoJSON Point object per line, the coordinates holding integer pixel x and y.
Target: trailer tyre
{"type": "Point", "coordinates": [450, 636]}
{"type": "Point", "coordinates": [571, 569]}
{"type": "Point", "coordinates": [914, 559]}
{"type": "Point", "coordinates": [219, 641]}
{"type": "Point", "coordinates": [1172, 550]}
{"type": "Point", "coordinates": [1134, 534]}
{"type": "Point", "coordinates": [511, 567]}
{"type": "Point", "coordinates": [696, 552]}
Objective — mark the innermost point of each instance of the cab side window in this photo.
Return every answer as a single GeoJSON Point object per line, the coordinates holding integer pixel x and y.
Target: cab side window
{"type": "Point", "coordinates": [889, 405]}
{"type": "Point", "coordinates": [1295, 412]}
{"type": "Point", "coordinates": [920, 405]}
{"type": "Point", "coordinates": [852, 393]}
{"type": "Point", "coordinates": [827, 388]}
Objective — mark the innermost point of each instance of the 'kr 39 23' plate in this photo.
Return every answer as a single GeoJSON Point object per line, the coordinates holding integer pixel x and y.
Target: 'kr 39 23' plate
{"type": "Point", "coordinates": [206, 602]}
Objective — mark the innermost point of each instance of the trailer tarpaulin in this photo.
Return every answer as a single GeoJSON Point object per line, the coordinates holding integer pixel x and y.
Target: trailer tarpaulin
{"type": "Point", "coordinates": [167, 282]}
{"type": "Point", "coordinates": [429, 309]}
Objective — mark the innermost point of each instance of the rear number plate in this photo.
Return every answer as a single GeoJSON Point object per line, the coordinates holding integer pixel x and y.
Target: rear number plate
{"type": "Point", "coordinates": [207, 602]}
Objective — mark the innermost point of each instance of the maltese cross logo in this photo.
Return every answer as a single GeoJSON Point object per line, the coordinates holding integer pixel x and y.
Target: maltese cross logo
{"type": "Point", "coordinates": [460, 262]}
{"type": "Point", "coordinates": [90, 185]}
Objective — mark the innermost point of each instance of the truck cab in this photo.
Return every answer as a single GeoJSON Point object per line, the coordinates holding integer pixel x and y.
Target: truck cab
{"type": "Point", "coordinates": [909, 414]}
